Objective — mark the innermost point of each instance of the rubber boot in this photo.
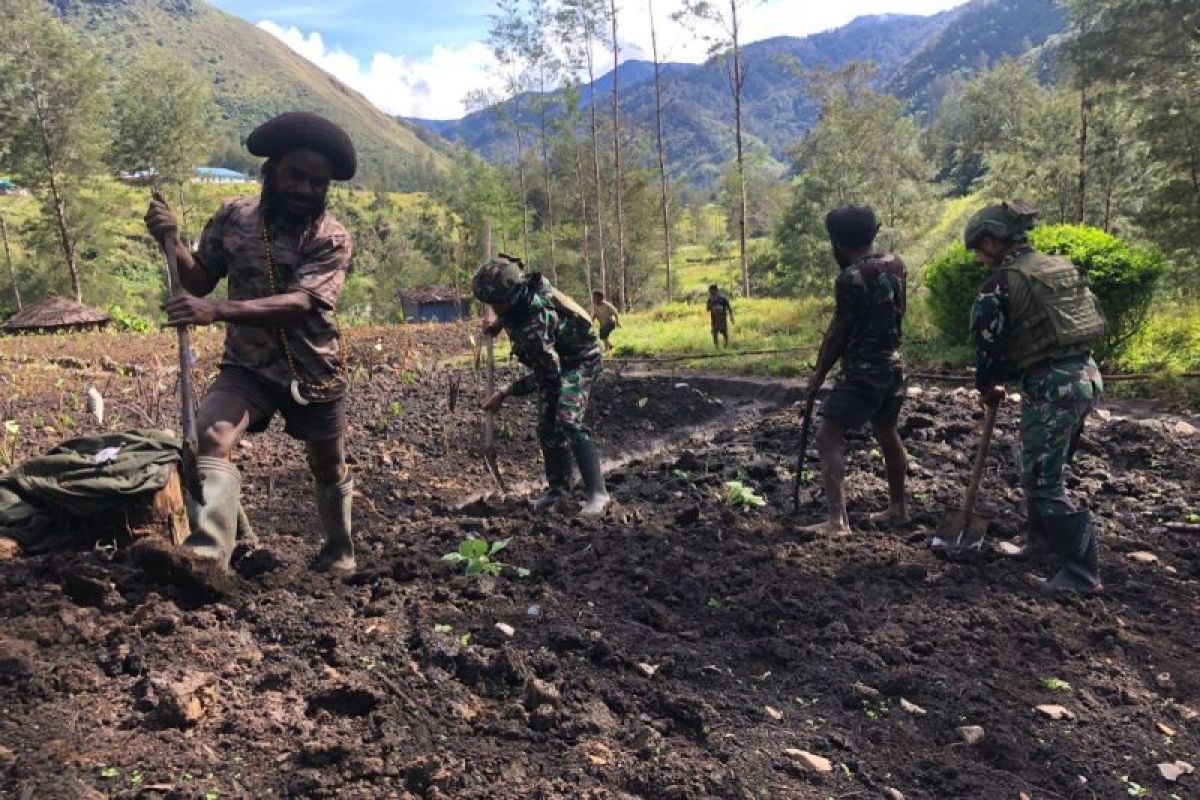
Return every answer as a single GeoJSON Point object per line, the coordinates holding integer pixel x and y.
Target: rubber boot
{"type": "Point", "coordinates": [557, 461]}
{"type": "Point", "coordinates": [587, 456]}
{"type": "Point", "coordinates": [1037, 546]}
{"type": "Point", "coordinates": [333, 507]}
{"type": "Point", "coordinates": [1074, 540]}
{"type": "Point", "coordinates": [214, 524]}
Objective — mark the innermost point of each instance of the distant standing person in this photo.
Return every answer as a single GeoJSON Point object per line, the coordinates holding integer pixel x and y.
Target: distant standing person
{"type": "Point", "coordinates": [285, 258]}
{"type": "Point", "coordinates": [607, 315]}
{"type": "Point", "coordinates": [1035, 322]}
{"type": "Point", "coordinates": [865, 334]}
{"type": "Point", "coordinates": [720, 314]}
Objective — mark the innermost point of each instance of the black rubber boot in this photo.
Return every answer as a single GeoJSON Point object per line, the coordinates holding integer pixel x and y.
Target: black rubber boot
{"type": "Point", "coordinates": [587, 457]}
{"type": "Point", "coordinates": [334, 501]}
{"type": "Point", "coordinates": [1037, 546]}
{"type": "Point", "coordinates": [1074, 540]}
{"type": "Point", "coordinates": [558, 476]}
{"type": "Point", "coordinates": [214, 524]}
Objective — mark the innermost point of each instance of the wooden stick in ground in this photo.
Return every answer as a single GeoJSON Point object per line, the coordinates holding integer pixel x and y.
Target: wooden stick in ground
{"type": "Point", "coordinates": [187, 403]}
{"type": "Point", "coordinates": [985, 444]}
{"type": "Point", "coordinates": [489, 421]}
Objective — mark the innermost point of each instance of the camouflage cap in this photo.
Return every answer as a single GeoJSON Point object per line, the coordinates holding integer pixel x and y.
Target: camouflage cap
{"type": "Point", "coordinates": [1008, 222]}
{"type": "Point", "coordinates": [495, 279]}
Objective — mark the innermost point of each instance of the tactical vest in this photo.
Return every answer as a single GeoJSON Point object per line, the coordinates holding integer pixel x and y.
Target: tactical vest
{"type": "Point", "coordinates": [1053, 312]}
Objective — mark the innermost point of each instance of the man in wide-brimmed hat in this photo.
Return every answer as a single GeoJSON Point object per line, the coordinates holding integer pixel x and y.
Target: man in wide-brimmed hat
{"type": "Point", "coordinates": [286, 259]}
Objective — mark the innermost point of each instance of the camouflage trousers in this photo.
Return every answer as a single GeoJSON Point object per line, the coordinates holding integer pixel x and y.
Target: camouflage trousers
{"type": "Point", "coordinates": [560, 416]}
{"type": "Point", "coordinates": [1055, 401]}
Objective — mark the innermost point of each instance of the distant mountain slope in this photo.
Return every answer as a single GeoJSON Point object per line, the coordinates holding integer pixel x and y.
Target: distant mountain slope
{"type": "Point", "coordinates": [916, 57]}
{"type": "Point", "coordinates": [255, 76]}
{"type": "Point", "coordinates": [698, 105]}
{"type": "Point", "coordinates": [983, 33]}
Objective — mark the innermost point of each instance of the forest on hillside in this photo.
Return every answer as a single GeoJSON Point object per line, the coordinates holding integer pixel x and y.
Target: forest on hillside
{"type": "Point", "coordinates": [1104, 136]}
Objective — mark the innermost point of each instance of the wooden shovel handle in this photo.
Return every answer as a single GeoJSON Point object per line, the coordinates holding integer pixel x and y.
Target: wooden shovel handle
{"type": "Point", "coordinates": [985, 443]}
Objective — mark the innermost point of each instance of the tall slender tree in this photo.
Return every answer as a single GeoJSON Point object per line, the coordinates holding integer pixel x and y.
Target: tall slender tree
{"type": "Point", "coordinates": [542, 60]}
{"type": "Point", "coordinates": [12, 270]}
{"type": "Point", "coordinates": [51, 116]}
{"type": "Point", "coordinates": [662, 150]}
{"type": "Point", "coordinates": [722, 28]}
{"type": "Point", "coordinates": [618, 182]}
{"type": "Point", "coordinates": [508, 38]}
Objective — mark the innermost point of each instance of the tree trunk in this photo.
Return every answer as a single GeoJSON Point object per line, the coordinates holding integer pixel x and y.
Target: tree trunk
{"type": "Point", "coordinates": [662, 158]}
{"type": "Point", "coordinates": [524, 191]}
{"type": "Point", "coordinates": [549, 181]}
{"type": "Point", "coordinates": [585, 240]}
{"type": "Point", "coordinates": [622, 273]}
{"type": "Point", "coordinates": [741, 163]}
{"type": "Point", "coordinates": [12, 271]}
{"type": "Point", "coordinates": [1081, 209]}
{"type": "Point", "coordinates": [60, 205]}
{"type": "Point", "coordinates": [596, 170]}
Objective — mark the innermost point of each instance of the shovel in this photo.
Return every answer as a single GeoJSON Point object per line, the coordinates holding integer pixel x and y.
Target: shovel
{"type": "Point", "coordinates": [489, 423]}
{"type": "Point", "coordinates": [805, 431]}
{"type": "Point", "coordinates": [963, 529]}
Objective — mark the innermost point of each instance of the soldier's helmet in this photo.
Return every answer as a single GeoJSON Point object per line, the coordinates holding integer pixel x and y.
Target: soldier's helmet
{"type": "Point", "coordinates": [1008, 222]}
{"type": "Point", "coordinates": [495, 279]}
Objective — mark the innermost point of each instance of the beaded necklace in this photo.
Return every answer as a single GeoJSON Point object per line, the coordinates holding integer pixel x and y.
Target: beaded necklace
{"type": "Point", "coordinates": [268, 238]}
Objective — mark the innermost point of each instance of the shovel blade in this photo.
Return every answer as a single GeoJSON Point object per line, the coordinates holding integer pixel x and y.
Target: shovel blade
{"type": "Point", "coordinates": [956, 533]}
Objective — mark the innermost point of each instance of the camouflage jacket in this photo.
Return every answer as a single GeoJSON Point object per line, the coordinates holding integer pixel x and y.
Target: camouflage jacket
{"type": "Point", "coordinates": [990, 327]}
{"type": "Point", "coordinates": [872, 293]}
{"type": "Point", "coordinates": [549, 343]}
{"type": "Point", "coordinates": [314, 261]}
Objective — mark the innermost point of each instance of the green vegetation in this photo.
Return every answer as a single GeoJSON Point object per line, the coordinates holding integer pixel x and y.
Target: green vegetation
{"type": "Point", "coordinates": [739, 495]}
{"type": "Point", "coordinates": [1123, 277]}
{"type": "Point", "coordinates": [476, 556]}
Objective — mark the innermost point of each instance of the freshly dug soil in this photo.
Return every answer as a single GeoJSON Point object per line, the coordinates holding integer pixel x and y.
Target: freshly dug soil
{"type": "Point", "coordinates": [678, 648]}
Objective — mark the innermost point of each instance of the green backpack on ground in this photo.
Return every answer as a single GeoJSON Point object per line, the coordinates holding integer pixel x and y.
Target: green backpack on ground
{"type": "Point", "coordinates": [1054, 312]}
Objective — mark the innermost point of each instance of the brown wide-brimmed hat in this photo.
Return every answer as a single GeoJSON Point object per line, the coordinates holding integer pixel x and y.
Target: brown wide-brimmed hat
{"type": "Point", "coordinates": [297, 129]}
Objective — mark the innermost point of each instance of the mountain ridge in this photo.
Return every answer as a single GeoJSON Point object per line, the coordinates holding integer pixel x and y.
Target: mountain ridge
{"type": "Point", "coordinates": [255, 76]}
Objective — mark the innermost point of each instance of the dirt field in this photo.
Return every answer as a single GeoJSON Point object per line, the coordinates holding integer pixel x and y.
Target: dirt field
{"type": "Point", "coordinates": [678, 648]}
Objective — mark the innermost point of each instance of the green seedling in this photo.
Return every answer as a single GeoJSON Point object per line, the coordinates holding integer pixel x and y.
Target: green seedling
{"type": "Point", "coordinates": [714, 602]}
{"type": "Point", "coordinates": [476, 556]}
{"type": "Point", "coordinates": [465, 639]}
{"type": "Point", "coordinates": [1057, 685]}
{"type": "Point", "coordinates": [681, 473]}
{"type": "Point", "coordinates": [442, 627]}
{"type": "Point", "coordinates": [875, 455]}
{"type": "Point", "coordinates": [739, 495]}
{"type": "Point", "coordinates": [1134, 789]}
{"type": "Point", "coordinates": [642, 403]}
{"type": "Point", "coordinates": [137, 779]}
{"type": "Point", "coordinates": [108, 773]}
{"type": "Point", "coordinates": [1193, 519]}
{"type": "Point", "coordinates": [397, 408]}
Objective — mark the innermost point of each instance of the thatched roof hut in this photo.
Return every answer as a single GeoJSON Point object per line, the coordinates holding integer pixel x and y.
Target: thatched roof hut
{"type": "Point", "coordinates": [53, 314]}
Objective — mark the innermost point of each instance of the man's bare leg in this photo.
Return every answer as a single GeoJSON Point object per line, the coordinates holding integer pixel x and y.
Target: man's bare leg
{"type": "Point", "coordinates": [896, 462]}
{"type": "Point", "coordinates": [832, 448]}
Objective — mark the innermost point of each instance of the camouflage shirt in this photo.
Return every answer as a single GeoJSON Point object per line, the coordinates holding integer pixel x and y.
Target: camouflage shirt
{"type": "Point", "coordinates": [548, 342]}
{"type": "Point", "coordinates": [314, 261]}
{"type": "Point", "coordinates": [871, 292]}
{"type": "Point", "coordinates": [990, 327]}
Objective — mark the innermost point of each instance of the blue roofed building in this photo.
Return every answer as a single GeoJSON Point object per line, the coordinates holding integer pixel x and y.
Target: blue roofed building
{"type": "Point", "coordinates": [220, 175]}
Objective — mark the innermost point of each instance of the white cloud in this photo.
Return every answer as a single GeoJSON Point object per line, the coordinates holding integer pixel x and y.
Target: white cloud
{"type": "Point", "coordinates": [433, 87]}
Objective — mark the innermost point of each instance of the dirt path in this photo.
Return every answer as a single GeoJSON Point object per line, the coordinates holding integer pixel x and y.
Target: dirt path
{"type": "Point", "coordinates": [676, 649]}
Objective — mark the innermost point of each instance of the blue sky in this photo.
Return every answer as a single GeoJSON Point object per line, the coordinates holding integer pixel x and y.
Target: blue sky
{"type": "Point", "coordinates": [422, 59]}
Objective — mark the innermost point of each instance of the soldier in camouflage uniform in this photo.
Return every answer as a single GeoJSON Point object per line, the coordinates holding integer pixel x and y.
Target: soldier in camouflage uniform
{"type": "Point", "coordinates": [551, 335]}
{"type": "Point", "coordinates": [286, 258]}
{"type": "Point", "coordinates": [865, 334]}
{"type": "Point", "coordinates": [1060, 383]}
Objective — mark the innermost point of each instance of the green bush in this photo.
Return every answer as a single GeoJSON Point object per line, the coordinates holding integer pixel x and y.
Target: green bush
{"type": "Point", "coordinates": [130, 321]}
{"type": "Point", "coordinates": [1123, 277]}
